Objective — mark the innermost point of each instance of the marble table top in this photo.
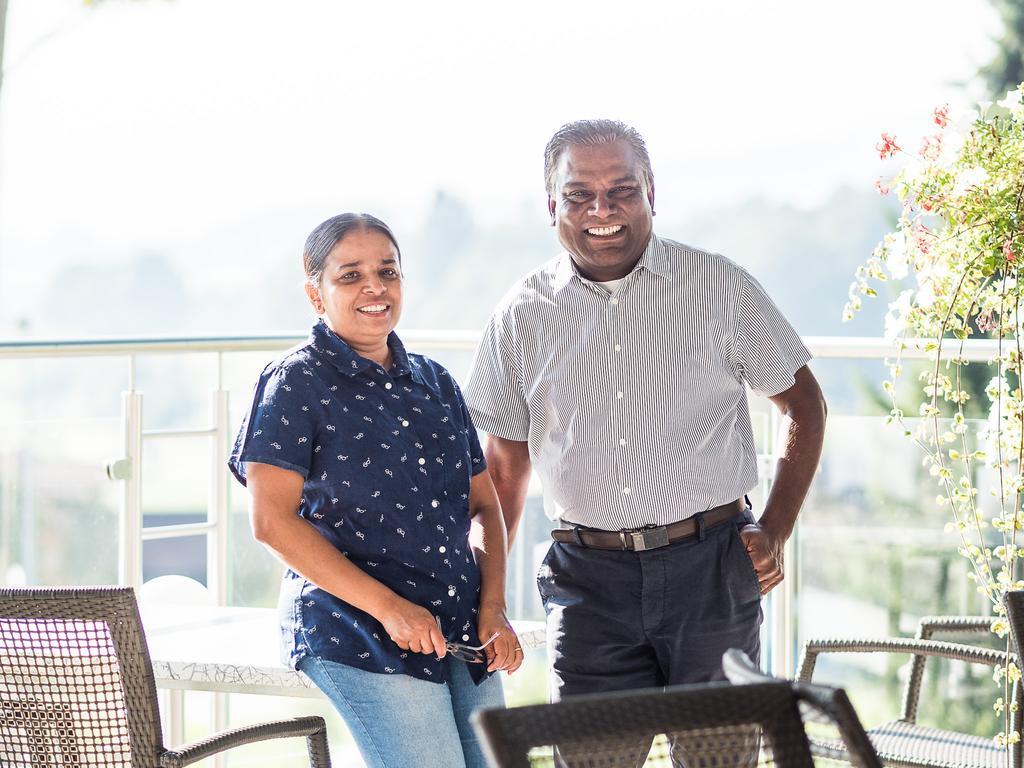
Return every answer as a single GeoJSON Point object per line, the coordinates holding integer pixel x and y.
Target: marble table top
{"type": "Point", "coordinates": [235, 650]}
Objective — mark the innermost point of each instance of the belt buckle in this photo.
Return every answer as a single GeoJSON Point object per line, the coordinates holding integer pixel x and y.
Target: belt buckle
{"type": "Point", "coordinates": [651, 537]}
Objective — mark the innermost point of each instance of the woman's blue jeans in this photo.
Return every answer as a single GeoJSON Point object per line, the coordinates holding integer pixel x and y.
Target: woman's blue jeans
{"type": "Point", "coordinates": [399, 721]}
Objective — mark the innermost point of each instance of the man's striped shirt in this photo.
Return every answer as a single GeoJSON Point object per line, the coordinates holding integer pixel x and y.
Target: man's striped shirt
{"type": "Point", "coordinates": [633, 402]}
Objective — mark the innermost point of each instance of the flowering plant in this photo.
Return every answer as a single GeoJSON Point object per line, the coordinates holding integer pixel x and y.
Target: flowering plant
{"type": "Point", "coordinates": [960, 241]}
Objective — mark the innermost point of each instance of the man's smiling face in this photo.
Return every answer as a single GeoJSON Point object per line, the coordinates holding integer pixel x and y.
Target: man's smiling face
{"type": "Point", "coordinates": [602, 208]}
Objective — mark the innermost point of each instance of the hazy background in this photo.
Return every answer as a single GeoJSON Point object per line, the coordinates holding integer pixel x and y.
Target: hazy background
{"type": "Point", "coordinates": [161, 161]}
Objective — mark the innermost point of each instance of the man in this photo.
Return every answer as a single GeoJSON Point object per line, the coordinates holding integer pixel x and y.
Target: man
{"type": "Point", "coordinates": [618, 371]}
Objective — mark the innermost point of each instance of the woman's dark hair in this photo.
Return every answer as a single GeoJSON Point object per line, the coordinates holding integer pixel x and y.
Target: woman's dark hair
{"type": "Point", "coordinates": [322, 240]}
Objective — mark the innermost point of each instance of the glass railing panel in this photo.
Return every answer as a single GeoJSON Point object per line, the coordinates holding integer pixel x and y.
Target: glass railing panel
{"type": "Point", "coordinates": [176, 390]}
{"type": "Point", "coordinates": [176, 474]}
{"type": "Point", "coordinates": [873, 558]}
{"type": "Point", "coordinates": [175, 556]}
{"type": "Point", "coordinates": [58, 510]}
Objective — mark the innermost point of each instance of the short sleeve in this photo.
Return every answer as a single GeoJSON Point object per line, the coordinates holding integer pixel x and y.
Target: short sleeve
{"type": "Point", "coordinates": [477, 462]}
{"type": "Point", "coordinates": [768, 351]}
{"type": "Point", "coordinates": [280, 427]}
{"type": "Point", "coordinates": [494, 390]}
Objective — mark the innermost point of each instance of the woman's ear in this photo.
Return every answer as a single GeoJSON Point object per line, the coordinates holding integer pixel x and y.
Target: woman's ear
{"type": "Point", "coordinates": [314, 298]}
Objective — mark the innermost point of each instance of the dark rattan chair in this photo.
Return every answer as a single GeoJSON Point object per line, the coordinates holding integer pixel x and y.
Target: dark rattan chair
{"type": "Point", "coordinates": [905, 743]}
{"type": "Point", "coordinates": [715, 725]}
{"type": "Point", "coordinates": [77, 687]}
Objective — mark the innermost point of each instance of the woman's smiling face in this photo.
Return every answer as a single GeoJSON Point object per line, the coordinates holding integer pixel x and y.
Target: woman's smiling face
{"type": "Point", "coordinates": [360, 289]}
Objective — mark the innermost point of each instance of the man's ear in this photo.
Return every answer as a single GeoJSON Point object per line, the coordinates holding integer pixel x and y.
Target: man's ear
{"type": "Point", "coordinates": [314, 297]}
{"type": "Point", "coordinates": [551, 209]}
{"type": "Point", "coordinates": [650, 197]}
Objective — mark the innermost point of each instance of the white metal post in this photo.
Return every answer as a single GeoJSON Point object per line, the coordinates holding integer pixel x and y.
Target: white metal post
{"type": "Point", "coordinates": [130, 473]}
{"type": "Point", "coordinates": [217, 510]}
{"type": "Point", "coordinates": [783, 596]}
{"type": "Point", "coordinates": [219, 515]}
{"type": "Point", "coordinates": [8, 495]}
{"type": "Point", "coordinates": [174, 717]}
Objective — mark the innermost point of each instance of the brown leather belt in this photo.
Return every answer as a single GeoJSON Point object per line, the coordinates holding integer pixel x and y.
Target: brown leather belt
{"type": "Point", "coordinates": [651, 537]}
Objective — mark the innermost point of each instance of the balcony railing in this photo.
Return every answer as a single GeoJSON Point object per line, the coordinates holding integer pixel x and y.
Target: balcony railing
{"type": "Point", "coordinates": [38, 380]}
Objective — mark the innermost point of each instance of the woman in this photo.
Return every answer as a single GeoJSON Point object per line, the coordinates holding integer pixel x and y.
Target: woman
{"type": "Point", "coordinates": [367, 480]}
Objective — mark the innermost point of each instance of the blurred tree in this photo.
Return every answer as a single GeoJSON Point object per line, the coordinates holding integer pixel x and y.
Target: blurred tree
{"type": "Point", "coordinates": [1006, 70]}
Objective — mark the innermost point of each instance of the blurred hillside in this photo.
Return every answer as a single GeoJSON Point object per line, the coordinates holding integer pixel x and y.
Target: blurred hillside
{"type": "Point", "coordinates": [456, 269]}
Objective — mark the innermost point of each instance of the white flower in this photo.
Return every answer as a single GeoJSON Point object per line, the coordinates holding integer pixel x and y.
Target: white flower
{"type": "Point", "coordinates": [952, 144]}
{"type": "Point", "coordinates": [963, 119]}
{"type": "Point", "coordinates": [972, 177]}
{"type": "Point", "coordinates": [1013, 103]}
{"type": "Point", "coordinates": [912, 170]}
{"type": "Point", "coordinates": [896, 317]}
{"type": "Point", "coordinates": [925, 295]}
{"type": "Point", "coordinates": [895, 255]}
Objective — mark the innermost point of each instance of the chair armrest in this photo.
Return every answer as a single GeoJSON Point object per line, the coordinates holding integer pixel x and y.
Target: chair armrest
{"type": "Point", "coordinates": [936, 648]}
{"type": "Point", "coordinates": [921, 650]}
{"type": "Point", "coordinates": [313, 728]}
{"type": "Point", "coordinates": [932, 625]}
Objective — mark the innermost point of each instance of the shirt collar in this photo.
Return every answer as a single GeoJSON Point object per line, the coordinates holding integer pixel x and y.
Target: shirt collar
{"type": "Point", "coordinates": [653, 260]}
{"type": "Point", "coordinates": [351, 363]}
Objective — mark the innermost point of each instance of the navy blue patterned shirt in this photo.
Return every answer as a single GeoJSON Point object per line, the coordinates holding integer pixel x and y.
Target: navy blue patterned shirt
{"type": "Point", "coordinates": [387, 458]}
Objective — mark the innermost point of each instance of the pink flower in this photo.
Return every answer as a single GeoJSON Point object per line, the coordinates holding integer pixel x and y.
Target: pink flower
{"type": "Point", "coordinates": [887, 146]}
{"type": "Point", "coordinates": [881, 187]}
{"type": "Point", "coordinates": [1008, 253]}
{"type": "Point", "coordinates": [922, 237]}
{"type": "Point", "coordinates": [931, 147]}
{"type": "Point", "coordinates": [941, 116]}
{"type": "Point", "coordinates": [985, 322]}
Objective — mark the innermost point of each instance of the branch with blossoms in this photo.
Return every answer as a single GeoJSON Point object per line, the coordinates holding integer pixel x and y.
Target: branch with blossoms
{"type": "Point", "coordinates": [957, 244]}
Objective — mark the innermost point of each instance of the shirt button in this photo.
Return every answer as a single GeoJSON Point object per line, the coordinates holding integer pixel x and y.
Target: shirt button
{"type": "Point", "coordinates": [615, 301]}
{"type": "Point", "coordinates": [619, 395]}
{"type": "Point", "coordinates": [423, 461]}
{"type": "Point", "coordinates": [442, 549]}
{"type": "Point", "coordinates": [451, 592]}
{"type": "Point", "coordinates": [465, 638]}
{"type": "Point", "coordinates": [622, 441]}
{"type": "Point", "coordinates": [435, 503]}
{"type": "Point", "coordinates": [618, 348]}
{"type": "Point", "coordinates": [387, 385]}
{"type": "Point", "coordinates": [405, 423]}
{"type": "Point", "coordinates": [625, 491]}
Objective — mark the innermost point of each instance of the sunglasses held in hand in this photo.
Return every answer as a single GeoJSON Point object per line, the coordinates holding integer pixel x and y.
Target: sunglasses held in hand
{"type": "Point", "coordinates": [473, 654]}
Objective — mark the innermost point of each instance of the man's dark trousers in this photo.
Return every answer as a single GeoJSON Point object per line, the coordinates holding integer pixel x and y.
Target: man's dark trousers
{"type": "Point", "coordinates": [621, 620]}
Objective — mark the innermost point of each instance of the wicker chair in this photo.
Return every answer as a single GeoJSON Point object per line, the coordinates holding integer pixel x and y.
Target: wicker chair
{"type": "Point", "coordinates": [715, 725]}
{"type": "Point", "coordinates": [77, 687]}
{"type": "Point", "coordinates": [904, 743]}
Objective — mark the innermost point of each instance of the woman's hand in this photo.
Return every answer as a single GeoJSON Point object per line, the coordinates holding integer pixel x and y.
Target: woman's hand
{"type": "Point", "coordinates": [505, 652]}
{"type": "Point", "coordinates": [412, 627]}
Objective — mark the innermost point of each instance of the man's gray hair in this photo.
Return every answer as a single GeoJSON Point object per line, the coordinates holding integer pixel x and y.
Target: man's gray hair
{"type": "Point", "coordinates": [590, 133]}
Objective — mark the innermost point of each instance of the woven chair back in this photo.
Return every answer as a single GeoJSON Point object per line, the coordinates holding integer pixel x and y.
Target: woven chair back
{"type": "Point", "coordinates": [76, 680]}
{"type": "Point", "coordinates": [715, 725]}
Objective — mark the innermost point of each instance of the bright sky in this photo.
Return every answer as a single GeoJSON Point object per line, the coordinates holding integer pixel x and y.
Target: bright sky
{"type": "Point", "coordinates": [128, 125]}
